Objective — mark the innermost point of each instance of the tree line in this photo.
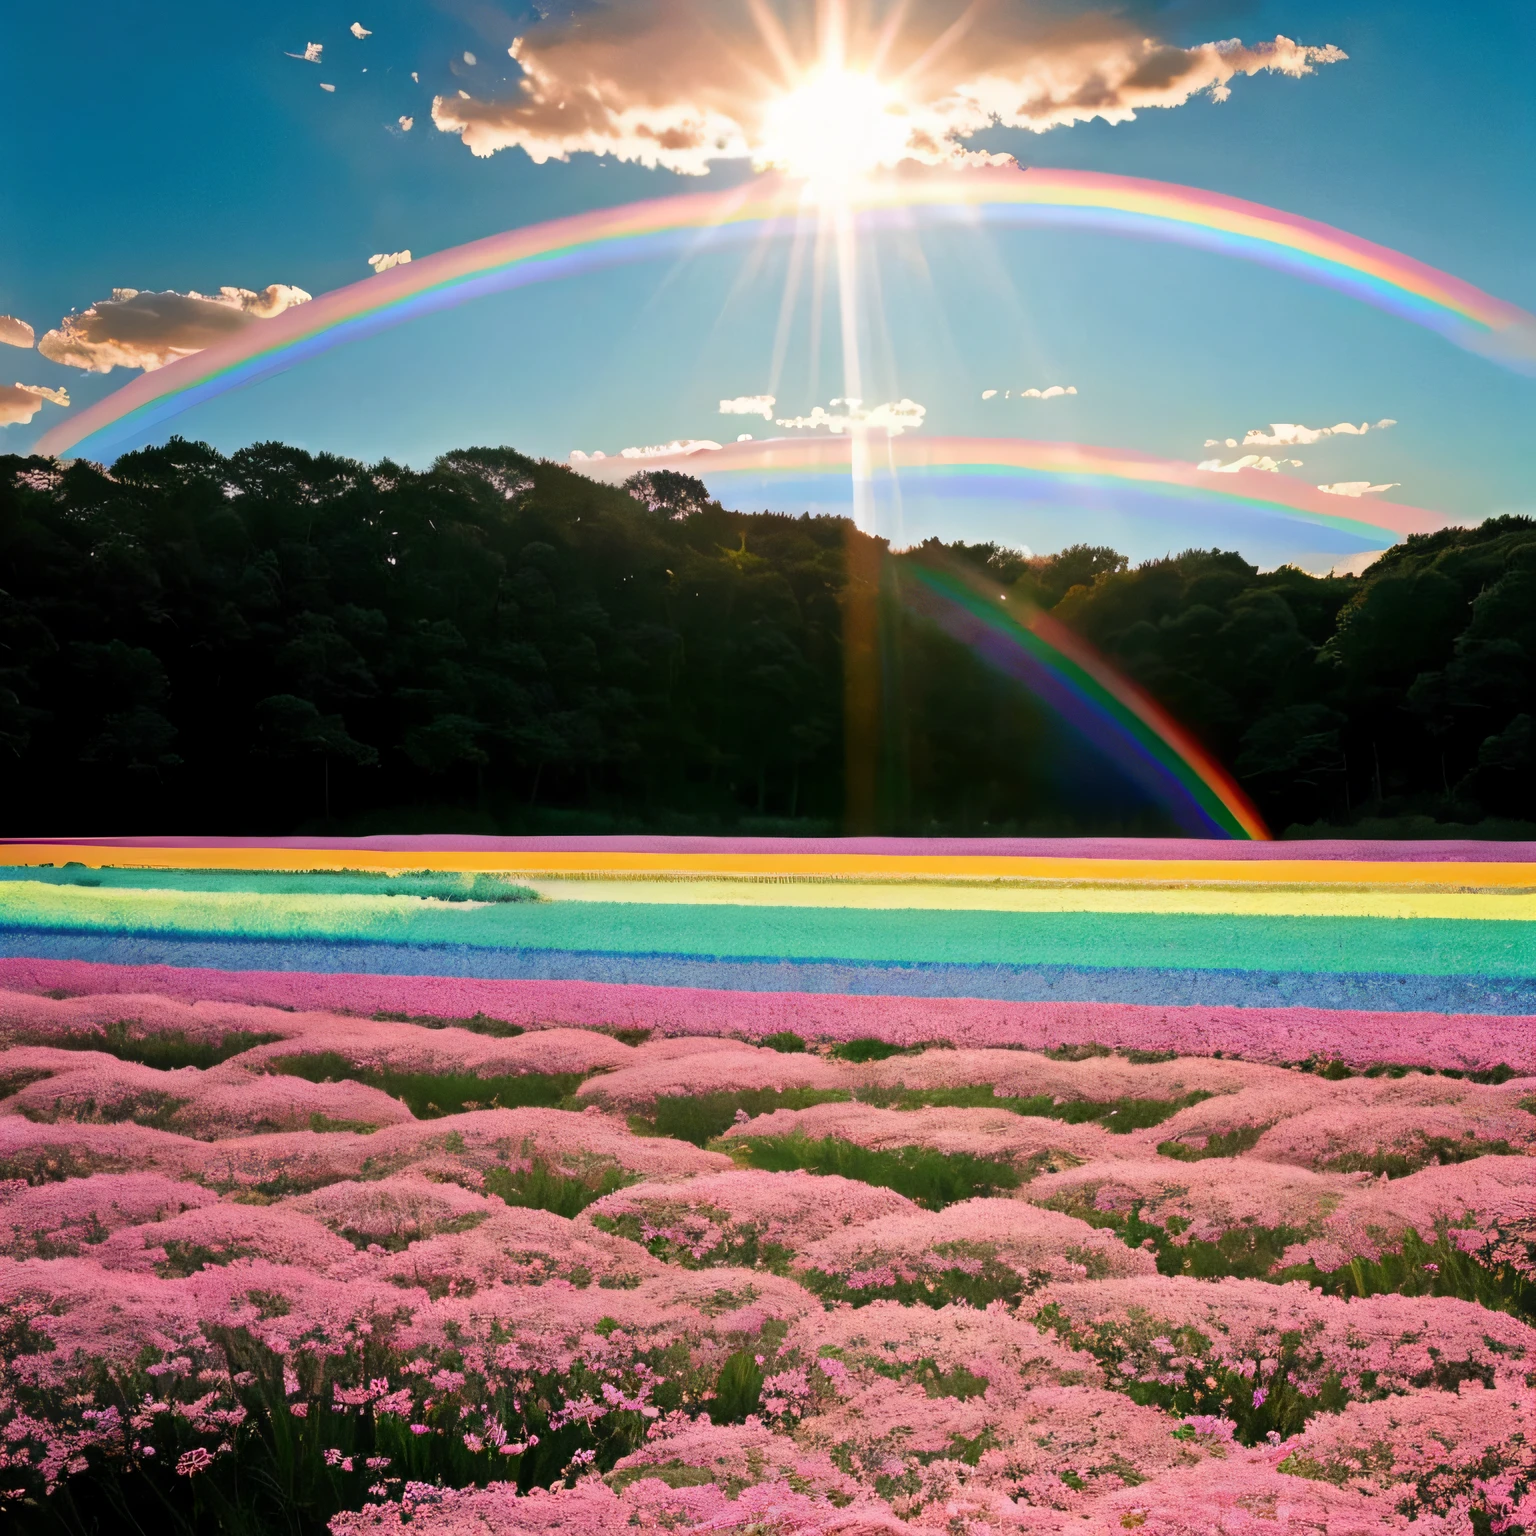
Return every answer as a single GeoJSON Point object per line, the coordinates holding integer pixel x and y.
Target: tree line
{"type": "Point", "coordinates": [275, 640]}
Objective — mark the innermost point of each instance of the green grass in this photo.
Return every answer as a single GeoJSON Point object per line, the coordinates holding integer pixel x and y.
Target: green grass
{"type": "Point", "coordinates": [973, 1277]}
{"type": "Point", "coordinates": [1417, 1268]}
{"type": "Point", "coordinates": [542, 1187]}
{"type": "Point", "coordinates": [166, 1050]}
{"type": "Point", "coordinates": [701, 1117]}
{"type": "Point", "coordinates": [867, 1048]}
{"type": "Point", "coordinates": [928, 1178]}
{"type": "Point", "coordinates": [430, 1095]}
{"type": "Point", "coordinates": [440, 885]}
{"type": "Point", "coordinates": [1223, 1144]}
{"type": "Point", "coordinates": [476, 1023]}
{"type": "Point", "coordinates": [785, 1040]}
{"type": "Point", "coordinates": [1431, 1149]}
{"type": "Point", "coordinates": [1118, 1115]}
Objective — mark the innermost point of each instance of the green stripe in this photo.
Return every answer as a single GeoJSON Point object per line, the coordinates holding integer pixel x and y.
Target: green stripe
{"type": "Point", "coordinates": [1399, 946]}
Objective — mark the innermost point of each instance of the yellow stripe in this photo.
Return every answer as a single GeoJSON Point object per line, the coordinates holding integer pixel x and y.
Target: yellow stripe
{"type": "Point", "coordinates": [1507, 876]}
{"type": "Point", "coordinates": [956, 897]}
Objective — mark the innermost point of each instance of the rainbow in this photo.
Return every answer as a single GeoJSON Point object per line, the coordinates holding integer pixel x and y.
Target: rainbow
{"type": "Point", "coordinates": [1026, 472]}
{"type": "Point", "coordinates": [1069, 678]}
{"type": "Point", "coordinates": [768, 207]}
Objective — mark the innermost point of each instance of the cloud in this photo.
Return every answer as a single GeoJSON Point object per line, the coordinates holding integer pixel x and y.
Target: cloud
{"type": "Point", "coordinates": [19, 403]}
{"type": "Point", "coordinates": [406, 123]}
{"type": "Point", "coordinates": [1357, 487]}
{"type": "Point", "coordinates": [14, 332]}
{"type": "Point", "coordinates": [382, 263]}
{"type": "Point", "coordinates": [987, 394]}
{"type": "Point", "coordinates": [679, 83]}
{"type": "Point", "coordinates": [749, 405]}
{"type": "Point", "coordinates": [359, 31]}
{"type": "Point", "coordinates": [148, 330]}
{"type": "Point", "coordinates": [1289, 434]}
{"type": "Point", "coordinates": [325, 87]}
{"type": "Point", "coordinates": [1052, 393]}
{"type": "Point", "coordinates": [470, 59]}
{"type": "Point", "coordinates": [895, 416]}
{"type": "Point", "coordinates": [311, 54]}
{"type": "Point", "coordinates": [1248, 461]}
{"type": "Point", "coordinates": [672, 450]}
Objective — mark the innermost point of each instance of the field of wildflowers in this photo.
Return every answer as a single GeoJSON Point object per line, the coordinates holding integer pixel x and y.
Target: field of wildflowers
{"type": "Point", "coordinates": [272, 1266]}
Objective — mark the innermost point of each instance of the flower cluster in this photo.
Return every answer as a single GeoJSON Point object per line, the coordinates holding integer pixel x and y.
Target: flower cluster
{"type": "Point", "coordinates": [697, 1285]}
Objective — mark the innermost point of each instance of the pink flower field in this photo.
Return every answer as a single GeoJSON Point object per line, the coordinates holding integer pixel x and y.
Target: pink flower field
{"type": "Point", "coordinates": [274, 1269]}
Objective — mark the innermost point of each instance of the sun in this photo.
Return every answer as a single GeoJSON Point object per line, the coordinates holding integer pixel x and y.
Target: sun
{"type": "Point", "coordinates": [835, 126]}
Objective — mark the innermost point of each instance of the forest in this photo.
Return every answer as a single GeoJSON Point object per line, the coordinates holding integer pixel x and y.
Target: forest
{"type": "Point", "coordinates": [276, 641]}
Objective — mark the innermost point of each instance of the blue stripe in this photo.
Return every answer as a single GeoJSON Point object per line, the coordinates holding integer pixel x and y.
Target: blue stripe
{"type": "Point", "coordinates": [1002, 983]}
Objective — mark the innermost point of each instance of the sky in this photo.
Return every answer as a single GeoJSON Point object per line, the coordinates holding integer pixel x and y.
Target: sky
{"type": "Point", "coordinates": [197, 149]}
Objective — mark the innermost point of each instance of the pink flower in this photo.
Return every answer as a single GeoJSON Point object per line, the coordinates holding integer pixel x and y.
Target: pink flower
{"type": "Point", "coordinates": [189, 1463]}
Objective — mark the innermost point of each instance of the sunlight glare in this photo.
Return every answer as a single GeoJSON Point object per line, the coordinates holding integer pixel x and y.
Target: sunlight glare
{"type": "Point", "coordinates": [833, 128]}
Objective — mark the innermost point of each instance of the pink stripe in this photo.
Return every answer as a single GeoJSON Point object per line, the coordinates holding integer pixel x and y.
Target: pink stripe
{"type": "Point", "coordinates": [1459, 1041]}
{"type": "Point", "coordinates": [1427, 852]}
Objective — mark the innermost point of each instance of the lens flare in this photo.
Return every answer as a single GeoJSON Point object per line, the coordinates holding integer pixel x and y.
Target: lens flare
{"type": "Point", "coordinates": [833, 128]}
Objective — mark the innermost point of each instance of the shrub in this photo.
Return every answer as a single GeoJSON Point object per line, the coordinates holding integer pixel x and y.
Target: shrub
{"type": "Point", "coordinates": [430, 1095]}
{"type": "Point", "coordinates": [928, 1178]}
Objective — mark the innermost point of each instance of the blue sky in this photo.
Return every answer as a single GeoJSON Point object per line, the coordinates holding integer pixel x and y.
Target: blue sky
{"type": "Point", "coordinates": [190, 152]}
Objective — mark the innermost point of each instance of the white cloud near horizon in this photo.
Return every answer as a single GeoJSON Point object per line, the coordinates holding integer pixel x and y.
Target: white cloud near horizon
{"type": "Point", "coordinates": [385, 260]}
{"type": "Point", "coordinates": [311, 54]}
{"type": "Point", "coordinates": [19, 403]}
{"type": "Point", "coordinates": [16, 333]}
{"type": "Point", "coordinates": [676, 449]}
{"type": "Point", "coordinates": [1248, 461]}
{"type": "Point", "coordinates": [894, 416]}
{"type": "Point", "coordinates": [406, 123]}
{"type": "Point", "coordinates": [677, 84]}
{"type": "Point", "coordinates": [749, 405]}
{"type": "Point", "coordinates": [1290, 434]}
{"type": "Point", "coordinates": [1358, 488]}
{"type": "Point", "coordinates": [359, 31]}
{"type": "Point", "coordinates": [136, 329]}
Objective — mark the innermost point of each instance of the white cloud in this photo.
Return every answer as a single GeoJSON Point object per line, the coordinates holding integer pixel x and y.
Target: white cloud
{"type": "Point", "coordinates": [19, 403]}
{"type": "Point", "coordinates": [1051, 393]}
{"type": "Point", "coordinates": [1248, 461]}
{"type": "Point", "coordinates": [383, 262]}
{"type": "Point", "coordinates": [325, 87]}
{"type": "Point", "coordinates": [749, 405]}
{"type": "Point", "coordinates": [744, 437]}
{"type": "Point", "coordinates": [14, 332]}
{"type": "Point", "coordinates": [987, 394]}
{"type": "Point", "coordinates": [406, 123]}
{"type": "Point", "coordinates": [894, 416]}
{"type": "Point", "coordinates": [136, 329]}
{"type": "Point", "coordinates": [673, 450]}
{"type": "Point", "coordinates": [1357, 487]}
{"type": "Point", "coordinates": [415, 77]}
{"type": "Point", "coordinates": [1290, 434]}
{"type": "Point", "coordinates": [680, 83]}
{"type": "Point", "coordinates": [359, 31]}
{"type": "Point", "coordinates": [311, 54]}
{"type": "Point", "coordinates": [470, 59]}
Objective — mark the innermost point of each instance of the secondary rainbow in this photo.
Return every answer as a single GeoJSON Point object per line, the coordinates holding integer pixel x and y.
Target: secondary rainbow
{"type": "Point", "coordinates": [1027, 470]}
{"type": "Point", "coordinates": [1080, 686]}
{"type": "Point", "coordinates": [769, 207]}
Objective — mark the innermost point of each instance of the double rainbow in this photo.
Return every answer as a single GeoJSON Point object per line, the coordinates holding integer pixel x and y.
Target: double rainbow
{"type": "Point", "coordinates": [1025, 472]}
{"type": "Point", "coordinates": [767, 207]}
{"type": "Point", "coordinates": [1068, 677]}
